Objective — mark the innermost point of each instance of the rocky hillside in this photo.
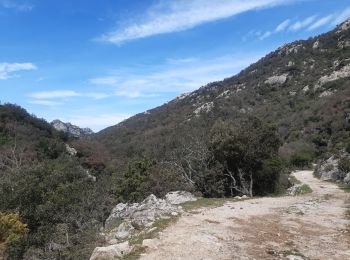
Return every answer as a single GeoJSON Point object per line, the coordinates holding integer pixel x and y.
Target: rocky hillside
{"type": "Point", "coordinates": [72, 130]}
{"type": "Point", "coordinates": [50, 205]}
{"type": "Point", "coordinates": [302, 88]}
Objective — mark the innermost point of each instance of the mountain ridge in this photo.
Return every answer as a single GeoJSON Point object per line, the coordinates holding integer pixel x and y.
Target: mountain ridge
{"type": "Point", "coordinates": [292, 87]}
{"type": "Point", "coordinates": [71, 129]}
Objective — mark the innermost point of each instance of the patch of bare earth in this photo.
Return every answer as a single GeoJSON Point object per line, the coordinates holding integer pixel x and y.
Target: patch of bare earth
{"type": "Point", "coordinates": [312, 226]}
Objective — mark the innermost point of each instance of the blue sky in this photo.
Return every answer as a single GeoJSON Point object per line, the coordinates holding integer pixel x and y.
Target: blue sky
{"type": "Point", "coordinates": [95, 63]}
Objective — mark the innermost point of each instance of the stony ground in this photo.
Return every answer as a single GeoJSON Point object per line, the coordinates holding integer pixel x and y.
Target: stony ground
{"type": "Point", "coordinates": [312, 226]}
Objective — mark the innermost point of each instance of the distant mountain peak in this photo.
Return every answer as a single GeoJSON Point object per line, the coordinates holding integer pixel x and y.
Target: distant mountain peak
{"type": "Point", "coordinates": [71, 129]}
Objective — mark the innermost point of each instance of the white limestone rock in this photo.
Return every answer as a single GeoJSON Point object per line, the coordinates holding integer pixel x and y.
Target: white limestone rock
{"type": "Point", "coordinates": [344, 72]}
{"type": "Point", "coordinates": [178, 197]}
{"type": "Point", "coordinates": [111, 252]}
{"type": "Point", "coordinates": [277, 79]}
{"type": "Point", "coordinates": [206, 107]}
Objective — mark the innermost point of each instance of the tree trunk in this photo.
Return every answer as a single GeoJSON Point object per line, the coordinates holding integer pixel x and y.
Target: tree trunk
{"type": "Point", "coordinates": [251, 185]}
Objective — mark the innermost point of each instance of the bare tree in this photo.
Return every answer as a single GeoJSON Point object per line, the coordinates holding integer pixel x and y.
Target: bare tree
{"type": "Point", "coordinates": [14, 155]}
{"type": "Point", "coordinates": [191, 159]}
{"type": "Point", "coordinates": [244, 184]}
{"type": "Point", "coordinates": [11, 158]}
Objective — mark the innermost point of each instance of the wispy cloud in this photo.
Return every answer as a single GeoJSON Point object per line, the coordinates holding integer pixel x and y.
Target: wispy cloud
{"type": "Point", "coordinates": [282, 26]}
{"type": "Point", "coordinates": [15, 5]}
{"type": "Point", "coordinates": [175, 78]}
{"type": "Point", "coordinates": [309, 24]}
{"type": "Point", "coordinates": [265, 35]}
{"type": "Point", "coordinates": [43, 96]}
{"type": "Point", "coordinates": [7, 70]}
{"type": "Point", "coordinates": [175, 16]}
{"type": "Point", "coordinates": [342, 16]}
{"type": "Point", "coordinates": [104, 81]}
{"type": "Point", "coordinates": [302, 24]}
{"type": "Point", "coordinates": [321, 22]}
{"type": "Point", "coordinates": [181, 60]}
{"type": "Point", "coordinates": [331, 19]}
{"type": "Point", "coordinates": [132, 94]}
{"type": "Point", "coordinates": [54, 94]}
{"type": "Point", "coordinates": [45, 102]}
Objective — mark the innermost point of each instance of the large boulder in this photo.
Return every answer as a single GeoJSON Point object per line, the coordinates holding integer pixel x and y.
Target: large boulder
{"type": "Point", "coordinates": [178, 197]}
{"type": "Point", "coordinates": [127, 220]}
{"type": "Point", "coordinates": [140, 215]}
{"type": "Point", "coordinates": [329, 169]}
{"type": "Point", "coordinates": [111, 252]}
{"type": "Point", "coordinates": [347, 178]}
{"type": "Point", "coordinates": [143, 214]}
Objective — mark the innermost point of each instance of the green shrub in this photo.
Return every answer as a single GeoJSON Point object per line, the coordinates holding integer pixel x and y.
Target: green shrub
{"type": "Point", "coordinates": [320, 139]}
{"type": "Point", "coordinates": [302, 160]}
{"type": "Point", "coordinates": [134, 186]}
{"type": "Point", "coordinates": [12, 233]}
{"type": "Point", "coordinates": [344, 164]}
{"type": "Point", "coordinates": [347, 148]}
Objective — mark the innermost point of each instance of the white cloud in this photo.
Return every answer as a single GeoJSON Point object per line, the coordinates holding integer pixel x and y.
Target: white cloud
{"type": "Point", "coordinates": [265, 35]}
{"type": "Point", "coordinates": [181, 60]}
{"type": "Point", "coordinates": [104, 81]}
{"type": "Point", "coordinates": [341, 17]}
{"type": "Point", "coordinates": [61, 94]}
{"type": "Point", "coordinates": [282, 26]}
{"type": "Point", "coordinates": [96, 95]}
{"type": "Point", "coordinates": [177, 78]}
{"type": "Point", "coordinates": [7, 69]}
{"type": "Point", "coordinates": [302, 24]}
{"type": "Point", "coordinates": [13, 4]}
{"type": "Point", "coordinates": [321, 22]}
{"type": "Point", "coordinates": [45, 102]}
{"type": "Point", "coordinates": [132, 94]}
{"type": "Point", "coordinates": [54, 94]}
{"type": "Point", "coordinates": [310, 23]}
{"type": "Point", "coordinates": [174, 16]}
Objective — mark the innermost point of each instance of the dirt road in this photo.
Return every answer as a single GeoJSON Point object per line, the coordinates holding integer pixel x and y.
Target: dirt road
{"type": "Point", "coordinates": [312, 226]}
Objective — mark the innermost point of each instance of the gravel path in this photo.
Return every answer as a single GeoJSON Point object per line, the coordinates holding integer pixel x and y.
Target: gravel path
{"type": "Point", "coordinates": [312, 226]}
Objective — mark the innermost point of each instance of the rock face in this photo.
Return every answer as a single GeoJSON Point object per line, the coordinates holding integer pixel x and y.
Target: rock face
{"type": "Point", "coordinates": [139, 215]}
{"type": "Point", "coordinates": [329, 170]}
{"type": "Point", "coordinates": [111, 252]}
{"type": "Point", "coordinates": [178, 197]}
{"type": "Point", "coordinates": [71, 150]}
{"type": "Point", "coordinates": [127, 220]}
{"type": "Point", "coordinates": [278, 79]}
{"type": "Point", "coordinates": [335, 75]}
{"type": "Point", "coordinates": [72, 130]}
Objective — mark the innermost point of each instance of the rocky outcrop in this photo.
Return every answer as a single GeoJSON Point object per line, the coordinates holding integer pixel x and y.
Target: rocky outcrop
{"type": "Point", "coordinates": [111, 252]}
{"type": "Point", "coordinates": [178, 197]}
{"type": "Point", "coordinates": [139, 215]}
{"type": "Point", "coordinates": [70, 129]}
{"type": "Point", "coordinates": [207, 107]}
{"type": "Point", "coordinates": [71, 151]}
{"type": "Point", "coordinates": [127, 220]}
{"type": "Point", "coordinates": [344, 26]}
{"type": "Point", "coordinates": [277, 79]}
{"type": "Point", "coordinates": [344, 72]}
{"type": "Point", "coordinates": [330, 170]}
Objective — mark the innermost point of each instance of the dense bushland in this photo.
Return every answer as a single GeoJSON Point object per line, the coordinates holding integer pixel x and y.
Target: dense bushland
{"type": "Point", "coordinates": [59, 202]}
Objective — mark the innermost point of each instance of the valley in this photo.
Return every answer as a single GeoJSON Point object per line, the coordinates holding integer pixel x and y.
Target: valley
{"type": "Point", "coordinates": [220, 172]}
